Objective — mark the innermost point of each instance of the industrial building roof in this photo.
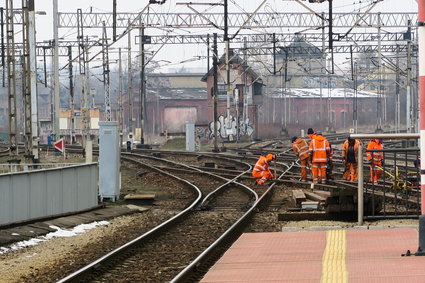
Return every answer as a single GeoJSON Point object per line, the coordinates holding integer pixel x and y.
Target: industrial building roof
{"type": "Point", "coordinates": [317, 93]}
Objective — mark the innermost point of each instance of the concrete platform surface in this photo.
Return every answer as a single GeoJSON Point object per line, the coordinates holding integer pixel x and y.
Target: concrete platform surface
{"type": "Point", "coordinates": [358, 255]}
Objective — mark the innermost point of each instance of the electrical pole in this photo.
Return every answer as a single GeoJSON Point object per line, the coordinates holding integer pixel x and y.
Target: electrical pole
{"type": "Point", "coordinates": [3, 61]}
{"type": "Point", "coordinates": [84, 75]}
{"type": "Point", "coordinates": [409, 126]}
{"type": "Point", "coordinates": [105, 57]}
{"type": "Point", "coordinates": [11, 78]}
{"type": "Point", "coordinates": [229, 90]}
{"type": "Point", "coordinates": [215, 93]}
{"type": "Point", "coordinates": [30, 81]}
{"type": "Point", "coordinates": [114, 20]}
{"type": "Point", "coordinates": [120, 96]}
{"type": "Point", "coordinates": [71, 93]}
{"type": "Point", "coordinates": [130, 87]}
{"type": "Point", "coordinates": [245, 90]}
{"type": "Point", "coordinates": [56, 93]}
{"type": "Point", "coordinates": [397, 92]}
{"type": "Point", "coordinates": [379, 92]}
{"type": "Point", "coordinates": [355, 120]}
{"type": "Point", "coordinates": [331, 44]}
{"type": "Point", "coordinates": [142, 81]}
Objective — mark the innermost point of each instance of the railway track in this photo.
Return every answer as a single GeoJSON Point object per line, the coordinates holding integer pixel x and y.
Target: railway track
{"type": "Point", "coordinates": [216, 206]}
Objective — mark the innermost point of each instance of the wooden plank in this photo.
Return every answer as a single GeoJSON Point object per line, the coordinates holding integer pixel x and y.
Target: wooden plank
{"type": "Point", "coordinates": [140, 197]}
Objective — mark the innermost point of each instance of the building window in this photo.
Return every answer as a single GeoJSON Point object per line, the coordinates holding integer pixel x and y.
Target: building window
{"type": "Point", "coordinates": [222, 92]}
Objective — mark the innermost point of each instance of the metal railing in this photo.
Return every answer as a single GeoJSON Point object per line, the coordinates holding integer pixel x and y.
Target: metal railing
{"type": "Point", "coordinates": [398, 188]}
{"type": "Point", "coordinates": [22, 167]}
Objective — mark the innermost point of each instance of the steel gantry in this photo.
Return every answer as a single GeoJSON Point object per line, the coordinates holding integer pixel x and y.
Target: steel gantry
{"type": "Point", "coordinates": [341, 38]}
{"type": "Point", "coordinates": [237, 20]}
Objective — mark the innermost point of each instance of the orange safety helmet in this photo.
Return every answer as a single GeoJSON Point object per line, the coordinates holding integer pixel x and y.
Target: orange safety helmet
{"type": "Point", "coordinates": [270, 157]}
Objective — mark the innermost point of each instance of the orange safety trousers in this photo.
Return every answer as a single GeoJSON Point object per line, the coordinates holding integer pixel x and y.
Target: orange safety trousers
{"type": "Point", "coordinates": [375, 172]}
{"type": "Point", "coordinates": [262, 176]}
{"type": "Point", "coordinates": [303, 164]}
{"type": "Point", "coordinates": [318, 169]}
{"type": "Point", "coordinates": [351, 172]}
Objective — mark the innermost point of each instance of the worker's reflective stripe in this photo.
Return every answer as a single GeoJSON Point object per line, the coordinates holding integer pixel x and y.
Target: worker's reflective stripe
{"type": "Point", "coordinates": [303, 150]}
{"type": "Point", "coordinates": [320, 159]}
{"type": "Point", "coordinates": [334, 268]}
{"type": "Point", "coordinates": [261, 167]}
{"type": "Point", "coordinates": [256, 169]}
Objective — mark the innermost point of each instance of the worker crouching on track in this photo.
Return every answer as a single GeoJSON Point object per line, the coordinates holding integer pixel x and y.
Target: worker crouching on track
{"type": "Point", "coordinates": [300, 147]}
{"type": "Point", "coordinates": [349, 158]}
{"type": "Point", "coordinates": [320, 152]}
{"type": "Point", "coordinates": [261, 169]}
{"type": "Point", "coordinates": [376, 159]}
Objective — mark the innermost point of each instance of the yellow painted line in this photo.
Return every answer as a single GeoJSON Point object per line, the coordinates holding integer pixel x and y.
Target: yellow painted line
{"type": "Point", "coordinates": [334, 269]}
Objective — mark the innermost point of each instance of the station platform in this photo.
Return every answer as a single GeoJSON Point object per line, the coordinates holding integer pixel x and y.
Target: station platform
{"type": "Point", "coordinates": [339, 255]}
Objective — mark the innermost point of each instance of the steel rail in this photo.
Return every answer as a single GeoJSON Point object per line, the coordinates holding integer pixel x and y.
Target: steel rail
{"type": "Point", "coordinates": [187, 272]}
{"type": "Point", "coordinates": [90, 267]}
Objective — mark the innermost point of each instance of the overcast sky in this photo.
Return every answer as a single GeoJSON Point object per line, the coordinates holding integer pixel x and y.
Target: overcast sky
{"type": "Point", "coordinates": [183, 53]}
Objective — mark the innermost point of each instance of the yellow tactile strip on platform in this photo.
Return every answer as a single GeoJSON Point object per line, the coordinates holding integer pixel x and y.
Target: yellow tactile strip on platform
{"type": "Point", "coordinates": [334, 268]}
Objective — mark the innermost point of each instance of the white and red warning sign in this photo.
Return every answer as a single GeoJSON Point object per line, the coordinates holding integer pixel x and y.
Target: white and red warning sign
{"type": "Point", "coordinates": [60, 145]}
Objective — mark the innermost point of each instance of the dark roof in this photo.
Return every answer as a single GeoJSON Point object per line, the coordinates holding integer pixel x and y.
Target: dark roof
{"type": "Point", "coordinates": [176, 93]}
{"type": "Point", "coordinates": [299, 48]}
{"type": "Point", "coordinates": [233, 59]}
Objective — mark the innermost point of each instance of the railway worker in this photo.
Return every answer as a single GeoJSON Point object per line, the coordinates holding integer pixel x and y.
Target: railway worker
{"type": "Point", "coordinates": [320, 152]}
{"type": "Point", "coordinates": [128, 143]}
{"type": "Point", "coordinates": [349, 158]}
{"type": "Point", "coordinates": [311, 133]}
{"type": "Point", "coordinates": [300, 147]}
{"type": "Point", "coordinates": [375, 159]}
{"type": "Point", "coordinates": [261, 169]}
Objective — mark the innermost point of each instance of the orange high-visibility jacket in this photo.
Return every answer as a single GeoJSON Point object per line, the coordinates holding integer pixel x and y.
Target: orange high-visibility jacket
{"type": "Point", "coordinates": [319, 149]}
{"type": "Point", "coordinates": [378, 156]}
{"type": "Point", "coordinates": [345, 149]}
{"type": "Point", "coordinates": [300, 148]}
{"type": "Point", "coordinates": [261, 165]}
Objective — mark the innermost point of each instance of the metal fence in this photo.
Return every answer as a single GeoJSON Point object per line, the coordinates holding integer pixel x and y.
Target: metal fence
{"type": "Point", "coordinates": [397, 192]}
{"type": "Point", "coordinates": [43, 192]}
{"type": "Point", "coordinates": [22, 167]}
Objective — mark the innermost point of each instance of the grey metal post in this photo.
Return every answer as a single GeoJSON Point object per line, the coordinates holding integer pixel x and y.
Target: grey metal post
{"type": "Point", "coordinates": [26, 85]}
{"type": "Point", "coordinates": [130, 84]}
{"type": "Point", "coordinates": [3, 61]}
{"type": "Point", "coordinates": [142, 81]}
{"type": "Point", "coordinates": [379, 102]}
{"type": "Point", "coordinates": [397, 92]}
{"type": "Point", "coordinates": [56, 93]}
{"type": "Point", "coordinates": [120, 98]}
{"type": "Point", "coordinates": [215, 93]}
{"type": "Point", "coordinates": [409, 127]}
{"type": "Point", "coordinates": [360, 205]}
{"type": "Point", "coordinates": [105, 57]}
{"type": "Point", "coordinates": [33, 78]}
{"type": "Point", "coordinates": [11, 79]}
{"type": "Point", "coordinates": [228, 88]}
{"type": "Point", "coordinates": [71, 94]}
